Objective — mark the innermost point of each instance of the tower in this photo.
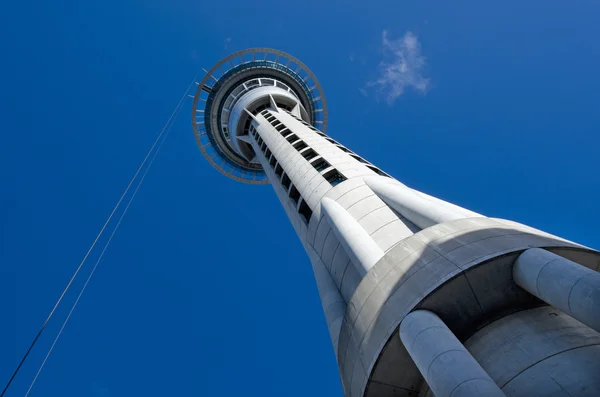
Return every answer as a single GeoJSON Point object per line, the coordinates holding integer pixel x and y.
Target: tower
{"type": "Point", "coordinates": [421, 297]}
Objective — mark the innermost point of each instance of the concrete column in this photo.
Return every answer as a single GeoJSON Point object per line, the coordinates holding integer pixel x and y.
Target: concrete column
{"type": "Point", "coordinates": [447, 366]}
{"type": "Point", "coordinates": [564, 284]}
{"type": "Point", "coordinates": [415, 206]}
{"type": "Point", "coordinates": [360, 247]}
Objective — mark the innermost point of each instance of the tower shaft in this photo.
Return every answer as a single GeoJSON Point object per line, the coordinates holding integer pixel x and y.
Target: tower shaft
{"type": "Point", "coordinates": [377, 245]}
{"type": "Point", "coordinates": [421, 296]}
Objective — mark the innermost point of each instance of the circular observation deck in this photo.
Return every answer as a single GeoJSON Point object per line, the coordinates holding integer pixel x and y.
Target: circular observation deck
{"type": "Point", "coordinates": [250, 81]}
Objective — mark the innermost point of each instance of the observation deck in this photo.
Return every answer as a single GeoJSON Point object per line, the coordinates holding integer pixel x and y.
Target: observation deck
{"type": "Point", "coordinates": [245, 83]}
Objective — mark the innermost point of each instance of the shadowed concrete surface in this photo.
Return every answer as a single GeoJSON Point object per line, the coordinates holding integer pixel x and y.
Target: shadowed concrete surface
{"type": "Point", "coordinates": [460, 270]}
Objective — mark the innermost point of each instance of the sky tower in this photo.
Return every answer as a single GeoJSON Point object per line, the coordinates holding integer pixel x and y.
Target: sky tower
{"type": "Point", "coordinates": [421, 297]}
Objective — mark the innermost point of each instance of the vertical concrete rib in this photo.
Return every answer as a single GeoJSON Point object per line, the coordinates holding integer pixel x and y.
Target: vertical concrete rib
{"type": "Point", "coordinates": [447, 366]}
{"type": "Point", "coordinates": [415, 206]}
{"type": "Point", "coordinates": [564, 284]}
{"type": "Point", "coordinates": [332, 301]}
{"type": "Point", "coordinates": [360, 247]}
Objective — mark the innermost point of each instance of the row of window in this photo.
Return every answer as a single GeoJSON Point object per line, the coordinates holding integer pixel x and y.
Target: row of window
{"type": "Point", "coordinates": [319, 163]}
{"type": "Point", "coordinates": [293, 193]}
{"type": "Point", "coordinates": [306, 124]}
{"type": "Point", "coordinates": [343, 148]}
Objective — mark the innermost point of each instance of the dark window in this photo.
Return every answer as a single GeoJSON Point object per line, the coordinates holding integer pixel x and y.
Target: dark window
{"type": "Point", "coordinates": [309, 154]}
{"type": "Point", "coordinates": [285, 132]}
{"type": "Point", "coordinates": [355, 157]}
{"type": "Point", "coordinates": [263, 147]}
{"type": "Point", "coordinates": [331, 141]}
{"type": "Point", "coordinates": [334, 177]}
{"type": "Point", "coordinates": [278, 170]}
{"type": "Point", "coordinates": [276, 123]}
{"type": "Point", "coordinates": [273, 161]}
{"type": "Point", "coordinates": [305, 211]}
{"type": "Point", "coordinates": [286, 181]}
{"type": "Point", "coordinates": [320, 164]}
{"type": "Point", "coordinates": [268, 154]}
{"type": "Point", "coordinates": [280, 127]}
{"type": "Point", "coordinates": [291, 138]}
{"type": "Point", "coordinates": [344, 149]}
{"type": "Point", "coordinates": [377, 170]}
{"type": "Point", "coordinates": [294, 194]}
{"type": "Point", "coordinates": [300, 145]}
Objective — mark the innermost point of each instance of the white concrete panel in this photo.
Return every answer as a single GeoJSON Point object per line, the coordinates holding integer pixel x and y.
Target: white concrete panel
{"type": "Point", "coordinates": [391, 234]}
{"type": "Point", "coordinates": [317, 218]}
{"type": "Point", "coordinates": [377, 218]}
{"type": "Point", "coordinates": [344, 187]}
{"type": "Point", "coordinates": [322, 231]}
{"type": "Point", "coordinates": [354, 196]}
{"type": "Point", "coordinates": [329, 248]}
{"type": "Point", "coordinates": [317, 187]}
{"type": "Point", "coordinates": [350, 281]}
{"type": "Point", "coordinates": [338, 266]}
{"type": "Point", "coordinates": [363, 251]}
{"type": "Point", "coordinates": [319, 191]}
{"type": "Point", "coordinates": [330, 296]}
{"type": "Point", "coordinates": [365, 206]}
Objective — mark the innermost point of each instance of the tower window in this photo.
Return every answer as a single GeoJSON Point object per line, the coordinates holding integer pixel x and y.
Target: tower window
{"type": "Point", "coordinates": [285, 132]}
{"type": "Point", "coordinates": [291, 138]}
{"type": "Point", "coordinates": [300, 145]}
{"type": "Point", "coordinates": [343, 149]}
{"type": "Point", "coordinates": [377, 171]}
{"type": "Point", "coordinates": [309, 154]}
{"type": "Point", "coordinates": [268, 154]}
{"type": "Point", "coordinates": [263, 147]}
{"type": "Point", "coordinates": [321, 164]}
{"type": "Point", "coordinates": [334, 177]}
{"type": "Point", "coordinates": [357, 158]}
{"type": "Point", "coordinates": [305, 211]}
{"type": "Point", "coordinates": [286, 181]}
{"type": "Point", "coordinates": [273, 161]}
{"type": "Point", "coordinates": [294, 194]}
{"type": "Point", "coordinates": [278, 170]}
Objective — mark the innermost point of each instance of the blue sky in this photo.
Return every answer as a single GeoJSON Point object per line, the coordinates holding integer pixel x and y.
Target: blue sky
{"type": "Point", "coordinates": [205, 289]}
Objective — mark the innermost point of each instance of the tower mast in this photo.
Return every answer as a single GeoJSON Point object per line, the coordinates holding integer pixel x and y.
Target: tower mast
{"type": "Point", "coordinates": [421, 296]}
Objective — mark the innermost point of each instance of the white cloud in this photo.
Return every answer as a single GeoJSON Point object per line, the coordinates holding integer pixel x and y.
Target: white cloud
{"type": "Point", "coordinates": [401, 67]}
